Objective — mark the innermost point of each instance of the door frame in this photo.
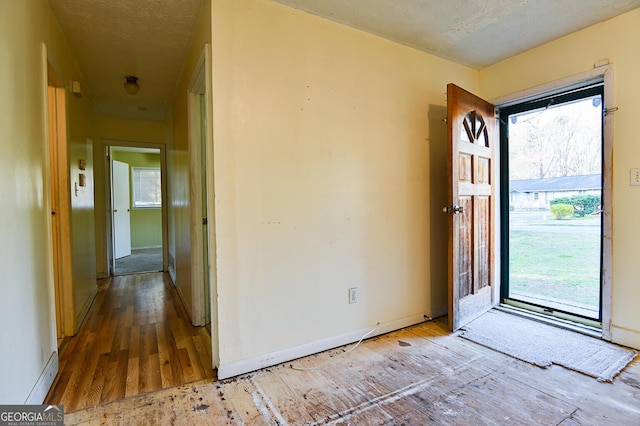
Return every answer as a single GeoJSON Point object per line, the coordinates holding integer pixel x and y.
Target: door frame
{"type": "Point", "coordinates": [105, 229]}
{"type": "Point", "coordinates": [605, 74]}
{"type": "Point", "coordinates": [200, 277]}
{"type": "Point", "coordinates": [203, 238]}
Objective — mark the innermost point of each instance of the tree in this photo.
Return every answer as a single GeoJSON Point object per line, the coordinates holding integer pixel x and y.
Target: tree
{"type": "Point", "coordinates": [564, 140]}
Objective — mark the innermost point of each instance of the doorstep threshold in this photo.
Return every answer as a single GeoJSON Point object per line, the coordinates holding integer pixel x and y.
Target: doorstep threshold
{"type": "Point", "coordinates": [554, 321]}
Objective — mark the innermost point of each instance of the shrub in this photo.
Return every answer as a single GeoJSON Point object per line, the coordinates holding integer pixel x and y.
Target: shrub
{"type": "Point", "coordinates": [561, 211]}
{"type": "Point", "coordinates": [582, 204]}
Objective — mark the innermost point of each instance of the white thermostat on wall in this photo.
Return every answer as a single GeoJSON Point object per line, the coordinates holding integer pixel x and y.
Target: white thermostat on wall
{"type": "Point", "coordinates": [634, 177]}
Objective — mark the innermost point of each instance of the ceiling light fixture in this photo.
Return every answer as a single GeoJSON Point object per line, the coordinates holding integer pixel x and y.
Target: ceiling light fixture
{"type": "Point", "coordinates": [131, 86]}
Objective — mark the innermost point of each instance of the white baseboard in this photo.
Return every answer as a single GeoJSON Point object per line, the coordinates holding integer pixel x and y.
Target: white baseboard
{"type": "Point", "coordinates": [246, 365]}
{"type": "Point", "coordinates": [82, 314]}
{"type": "Point", "coordinates": [625, 336]}
{"type": "Point", "coordinates": [440, 313]}
{"type": "Point", "coordinates": [172, 275]}
{"type": "Point", "coordinates": [184, 301]}
{"type": "Point", "coordinates": [42, 386]}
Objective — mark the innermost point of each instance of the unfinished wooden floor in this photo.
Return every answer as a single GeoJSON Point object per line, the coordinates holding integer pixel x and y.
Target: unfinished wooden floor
{"type": "Point", "coordinates": [137, 338]}
{"type": "Point", "coordinates": [418, 376]}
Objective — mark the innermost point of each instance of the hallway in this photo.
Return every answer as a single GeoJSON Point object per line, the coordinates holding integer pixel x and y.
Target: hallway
{"type": "Point", "coordinates": [137, 338]}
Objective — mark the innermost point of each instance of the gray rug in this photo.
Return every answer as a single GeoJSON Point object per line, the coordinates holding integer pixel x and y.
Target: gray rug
{"type": "Point", "coordinates": [140, 260]}
{"type": "Point", "coordinates": [541, 344]}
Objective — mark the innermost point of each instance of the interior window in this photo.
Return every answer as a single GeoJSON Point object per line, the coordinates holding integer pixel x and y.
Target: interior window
{"type": "Point", "coordinates": [147, 188]}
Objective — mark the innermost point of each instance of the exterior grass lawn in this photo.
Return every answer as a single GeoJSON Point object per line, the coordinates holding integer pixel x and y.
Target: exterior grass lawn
{"type": "Point", "coordinates": [564, 266]}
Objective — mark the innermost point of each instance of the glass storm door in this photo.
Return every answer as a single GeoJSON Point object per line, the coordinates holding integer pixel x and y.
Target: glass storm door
{"type": "Point", "coordinates": [552, 203]}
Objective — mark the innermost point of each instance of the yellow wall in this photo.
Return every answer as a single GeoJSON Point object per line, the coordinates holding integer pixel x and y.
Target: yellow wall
{"type": "Point", "coordinates": [27, 304]}
{"type": "Point", "coordinates": [617, 40]}
{"type": "Point", "coordinates": [118, 129]}
{"type": "Point", "coordinates": [114, 130]}
{"type": "Point", "coordinates": [330, 168]}
{"type": "Point", "coordinates": [178, 164]}
{"type": "Point", "coordinates": [146, 223]}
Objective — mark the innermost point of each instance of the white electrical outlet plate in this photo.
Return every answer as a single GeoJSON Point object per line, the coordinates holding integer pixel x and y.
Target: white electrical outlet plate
{"type": "Point", "coordinates": [353, 295]}
{"type": "Point", "coordinates": [634, 177]}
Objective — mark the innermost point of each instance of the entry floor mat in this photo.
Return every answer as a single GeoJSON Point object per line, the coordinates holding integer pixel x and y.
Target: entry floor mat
{"type": "Point", "coordinates": [542, 345]}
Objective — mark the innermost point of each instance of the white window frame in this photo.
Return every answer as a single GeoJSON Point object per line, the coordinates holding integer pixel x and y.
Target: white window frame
{"type": "Point", "coordinates": [135, 176]}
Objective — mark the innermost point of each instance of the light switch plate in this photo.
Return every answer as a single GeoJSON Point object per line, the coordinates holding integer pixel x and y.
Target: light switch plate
{"type": "Point", "coordinates": [634, 177]}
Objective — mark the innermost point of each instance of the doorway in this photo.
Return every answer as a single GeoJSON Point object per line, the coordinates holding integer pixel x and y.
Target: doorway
{"type": "Point", "coordinates": [552, 192]}
{"type": "Point", "coordinates": [136, 229]}
{"type": "Point", "coordinates": [203, 271]}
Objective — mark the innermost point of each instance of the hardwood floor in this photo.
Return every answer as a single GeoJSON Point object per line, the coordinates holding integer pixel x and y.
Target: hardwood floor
{"type": "Point", "coordinates": [137, 338]}
{"type": "Point", "coordinates": [416, 376]}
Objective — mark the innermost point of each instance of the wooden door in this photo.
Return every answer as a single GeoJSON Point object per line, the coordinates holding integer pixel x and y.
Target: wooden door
{"type": "Point", "coordinates": [472, 166]}
{"type": "Point", "coordinates": [55, 210]}
{"type": "Point", "coordinates": [206, 302]}
{"type": "Point", "coordinates": [60, 187]}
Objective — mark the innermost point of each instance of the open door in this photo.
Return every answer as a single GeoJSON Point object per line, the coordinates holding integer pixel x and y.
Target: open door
{"type": "Point", "coordinates": [471, 207]}
{"type": "Point", "coordinates": [121, 209]}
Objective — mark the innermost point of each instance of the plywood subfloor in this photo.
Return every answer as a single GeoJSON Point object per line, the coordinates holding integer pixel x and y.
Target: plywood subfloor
{"type": "Point", "coordinates": [137, 338]}
{"type": "Point", "coordinates": [417, 376]}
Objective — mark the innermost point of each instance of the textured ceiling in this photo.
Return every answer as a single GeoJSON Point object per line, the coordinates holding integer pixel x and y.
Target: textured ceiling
{"type": "Point", "coordinates": [145, 38]}
{"type": "Point", "coordinates": [476, 33]}
{"type": "Point", "coordinates": [150, 38]}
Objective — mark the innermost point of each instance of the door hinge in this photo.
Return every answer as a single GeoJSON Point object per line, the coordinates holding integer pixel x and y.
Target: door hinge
{"type": "Point", "coordinates": [205, 221]}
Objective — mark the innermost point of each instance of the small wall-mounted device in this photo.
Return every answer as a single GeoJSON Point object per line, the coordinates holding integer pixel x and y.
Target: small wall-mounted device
{"type": "Point", "coordinates": [353, 295]}
{"type": "Point", "coordinates": [75, 89]}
